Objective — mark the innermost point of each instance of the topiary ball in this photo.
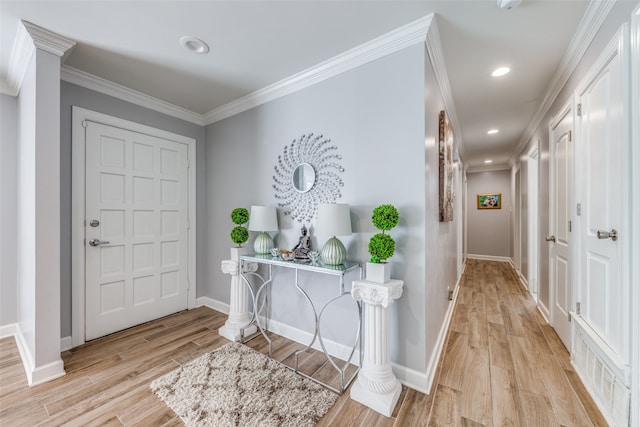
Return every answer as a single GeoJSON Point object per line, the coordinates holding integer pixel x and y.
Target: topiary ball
{"type": "Point", "coordinates": [385, 217]}
{"type": "Point", "coordinates": [239, 235]}
{"type": "Point", "coordinates": [240, 216]}
{"type": "Point", "coordinates": [381, 247]}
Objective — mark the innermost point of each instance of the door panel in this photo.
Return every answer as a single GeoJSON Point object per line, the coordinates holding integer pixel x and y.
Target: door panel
{"type": "Point", "coordinates": [604, 293]}
{"type": "Point", "coordinates": [136, 187]}
{"type": "Point", "coordinates": [561, 192]}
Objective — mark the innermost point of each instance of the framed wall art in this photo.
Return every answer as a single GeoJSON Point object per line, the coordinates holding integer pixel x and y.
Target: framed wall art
{"type": "Point", "coordinates": [445, 166]}
{"type": "Point", "coordinates": [490, 201]}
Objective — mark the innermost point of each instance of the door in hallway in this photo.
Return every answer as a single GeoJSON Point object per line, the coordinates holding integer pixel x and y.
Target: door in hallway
{"type": "Point", "coordinates": [561, 224]}
{"type": "Point", "coordinates": [602, 149]}
{"type": "Point", "coordinates": [136, 228]}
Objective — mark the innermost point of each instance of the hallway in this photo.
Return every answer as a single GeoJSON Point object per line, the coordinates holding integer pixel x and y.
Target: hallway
{"type": "Point", "coordinates": [503, 365]}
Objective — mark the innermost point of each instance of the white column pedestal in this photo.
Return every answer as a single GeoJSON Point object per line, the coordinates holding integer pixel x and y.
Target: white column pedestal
{"type": "Point", "coordinates": [236, 325]}
{"type": "Point", "coordinates": [376, 385]}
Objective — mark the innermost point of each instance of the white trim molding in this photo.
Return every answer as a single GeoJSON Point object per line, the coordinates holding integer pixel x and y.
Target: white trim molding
{"type": "Point", "coordinates": [29, 38]}
{"type": "Point", "coordinates": [394, 41]}
{"type": "Point", "coordinates": [593, 18]}
{"type": "Point", "coordinates": [408, 35]}
{"type": "Point", "coordinates": [432, 366]}
{"type": "Point", "coordinates": [490, 258]}
{"type": "Point", "coordinates": [635, 207]}
{"type": "Point", "coordinates": [89, 81]}
{"type": "Point", "coordinates": [436, 56]}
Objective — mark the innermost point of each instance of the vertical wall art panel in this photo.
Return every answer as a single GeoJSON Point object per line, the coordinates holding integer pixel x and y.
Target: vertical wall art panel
{"type": "Point", "coordinates": [446, 167]}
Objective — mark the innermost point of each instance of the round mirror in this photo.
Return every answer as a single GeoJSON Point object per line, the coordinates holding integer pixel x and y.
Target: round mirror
{"type": "Point", "coordinates": [304, 177]}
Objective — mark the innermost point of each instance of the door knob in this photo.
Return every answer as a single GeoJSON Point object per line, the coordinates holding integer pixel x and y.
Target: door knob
{"type": "Point", "coordinates": [550, 238]}
{"type": "Point", "coordinates": [98, 242]}
{"type": "Point", "coordinates": [613, 234]}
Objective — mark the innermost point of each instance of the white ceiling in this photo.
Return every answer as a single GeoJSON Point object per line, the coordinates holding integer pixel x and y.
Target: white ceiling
{"type": "Point", "coordinates": [257, 43]}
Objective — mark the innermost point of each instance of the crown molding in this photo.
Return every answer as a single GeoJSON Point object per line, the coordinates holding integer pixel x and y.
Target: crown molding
{"type": "Point", "coordinates": [594, 16]}
{"type": "Point", "coordinates": [21, 53]}
{"type": "Point", "coordinates": [488, 168]}
{"type": "Point", "coordinates": [435, 52]}
{"type": "Point", "coordinates": [98, 84]}
{"type": "Point", "coordinates": [30, 37]}
{"type": "Point", "coordinates": [408, 35]}
{"type": "Point", "coordinates": [49, 41]}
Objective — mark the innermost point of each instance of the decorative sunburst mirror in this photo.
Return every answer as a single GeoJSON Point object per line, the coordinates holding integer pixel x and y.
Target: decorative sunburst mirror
{"type": "Point", "coordinates": [306, 176]}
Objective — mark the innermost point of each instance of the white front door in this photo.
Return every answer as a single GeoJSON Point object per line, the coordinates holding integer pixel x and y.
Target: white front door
{"type": "Point", "coordinates": [561, 223]}
{"type": "Point", "coordinates": [603, 176]}
{"type": "Point", "coordinates": [136, 199]}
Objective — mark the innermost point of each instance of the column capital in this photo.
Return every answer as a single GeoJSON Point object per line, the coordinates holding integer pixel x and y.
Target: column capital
{"type": "Point", "coordinates": [373, 293]}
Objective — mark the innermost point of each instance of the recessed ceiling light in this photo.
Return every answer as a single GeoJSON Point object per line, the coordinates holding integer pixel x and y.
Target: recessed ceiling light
{"type": "Point", "coordinates": [492, 131]}
{"type": "Point", "coordinates": [488, 161]}
{"type": "Point", "coordinates": [500, 71]}
{"type": "Point", "coordinates": [194, 45]}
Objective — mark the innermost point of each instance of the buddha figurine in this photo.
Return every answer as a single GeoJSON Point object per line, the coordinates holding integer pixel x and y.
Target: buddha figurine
{"type": "Point", "coordinates": [304, 244]}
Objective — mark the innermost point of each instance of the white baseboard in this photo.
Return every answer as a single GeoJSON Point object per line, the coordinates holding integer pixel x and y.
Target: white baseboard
{"type": "Point", "coordinates": [8, 330]}
{"type": "Point", "coordinates": [47, 372]}
{"type": "Point", "coordinates": [35, 375]}
{"type": "Point", "coordinates": [490, 258]}
{"type": "Point", "coordinates": [213, 304]}
{"type": "Point", "coordinates": [432, 367]}
{"type": "Point", "coordinates": [407, 376]}
{"type": "Point", "coordinates": [544, 311]}
{"type": "Point", "coordinates": [66, 343]}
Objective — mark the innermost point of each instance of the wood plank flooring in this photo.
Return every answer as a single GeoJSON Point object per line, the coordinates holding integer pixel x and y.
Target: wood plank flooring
{"type": "Point", "coordinates": [502, 366]}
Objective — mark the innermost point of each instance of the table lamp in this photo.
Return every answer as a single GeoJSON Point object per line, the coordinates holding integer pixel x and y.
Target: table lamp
{"type": "Point", "coordinates": [334, 220]}
{"type": "Point", "coordinates": [263, 219]}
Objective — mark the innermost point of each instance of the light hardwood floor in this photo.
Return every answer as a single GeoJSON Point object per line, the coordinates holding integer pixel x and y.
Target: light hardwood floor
{"type": "Point", "coordinates": [502, 366]}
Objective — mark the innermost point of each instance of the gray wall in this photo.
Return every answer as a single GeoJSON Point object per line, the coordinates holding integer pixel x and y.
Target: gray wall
{"type": "Point", "coordinates": [8, 211]}
{"type": "Point", "coordinates": [376, 115]}
{"type": "Point", "coordinates": [620, 14]}
{"type": "Point", "coordinates": [489, 230]}
{"type": "Point", "coordinates": [71, 95]}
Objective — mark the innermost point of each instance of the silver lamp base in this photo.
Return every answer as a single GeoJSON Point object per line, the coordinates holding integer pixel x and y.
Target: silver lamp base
{"type": "Point", "coordinates": [333, 252]}
{"type": "Point", "coordinates": [263, 244]}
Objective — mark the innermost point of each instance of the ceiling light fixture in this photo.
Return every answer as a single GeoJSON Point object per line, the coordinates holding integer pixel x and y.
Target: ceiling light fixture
{"type": "Point", "coordinates": [499, 72]}
{"type": "Point", "coordinates": [492, 131]}
{"type": "Point", "coordinates": [194, 45]}
{"type": "Point", "coordinates": [488, 161]}
{"type": "Point", "coordinates": [508, 4]}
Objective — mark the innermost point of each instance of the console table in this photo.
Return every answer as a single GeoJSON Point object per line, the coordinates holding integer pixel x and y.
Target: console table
{"type": "Point", "coordinates": [337, 272]}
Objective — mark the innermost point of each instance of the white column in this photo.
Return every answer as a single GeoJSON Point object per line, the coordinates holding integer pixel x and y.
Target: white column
{"type": "Point", "coordinates": [239, 300]}
{"type": "Point", "coordinates": [376, 385]}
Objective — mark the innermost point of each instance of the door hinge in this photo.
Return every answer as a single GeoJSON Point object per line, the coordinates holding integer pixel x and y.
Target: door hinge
{"type": "Point", "coordinates": [579, 110]}
{"type": "Point", "coordinates": [578, 209]}
{"type": "Point", "coordinates": [85, 124]}
{"type": "Point", "coordinates": [188, 225]}
{"type": "Point", "coordinates": [569, 226]}
{"type": "Point", "coordinates": [569, 136]}
{"type": "Point", "coordinates": [578, 308]}
{"type": "Point", "coordinates": [188, 163]}
{"type": "Point", "coordinates": [569, 316]}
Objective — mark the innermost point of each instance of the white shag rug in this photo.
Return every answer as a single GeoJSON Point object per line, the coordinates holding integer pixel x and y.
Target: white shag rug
{"type": "Point", "coordinates": [237, 386]}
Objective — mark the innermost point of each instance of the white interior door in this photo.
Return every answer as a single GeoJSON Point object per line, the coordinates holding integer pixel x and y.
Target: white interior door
{"type": "Point", "coordinates": [532, 223]}
{"type": "Point", "coordinates": [561, 223]}
{"type": "Point", "coordinates": [517, 244]}
{"type": "Point", "coordinates": [136, 206]}
{"type": "Point", "coordinates": [603, 176]}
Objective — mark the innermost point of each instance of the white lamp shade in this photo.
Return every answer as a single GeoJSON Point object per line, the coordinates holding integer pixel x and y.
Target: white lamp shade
{"type": "Point", "coordinates": [334, 219]}
{"type": "Point", "coordinates": [263, 218]}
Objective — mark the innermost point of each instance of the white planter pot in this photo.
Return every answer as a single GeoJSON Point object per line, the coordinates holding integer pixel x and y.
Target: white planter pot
{"type": "Point", "coordinates": [378, 272]}
{"type": "Point", "coordinates": [237, 252]}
